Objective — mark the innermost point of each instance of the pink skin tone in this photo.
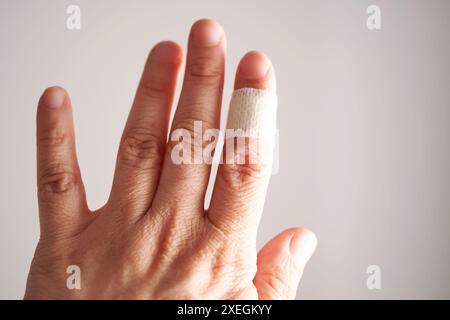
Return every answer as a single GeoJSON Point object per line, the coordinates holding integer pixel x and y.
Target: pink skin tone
{"type": "Point", "coordinates": [153, 239]}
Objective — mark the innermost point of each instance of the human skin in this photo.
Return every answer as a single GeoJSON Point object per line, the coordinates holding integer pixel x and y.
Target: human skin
{"type": "Point", "coordinates": [153, 239]}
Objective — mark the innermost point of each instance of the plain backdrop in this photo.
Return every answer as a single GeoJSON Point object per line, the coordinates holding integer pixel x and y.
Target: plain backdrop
{"type": "Point", "coordinates": [364, 120]}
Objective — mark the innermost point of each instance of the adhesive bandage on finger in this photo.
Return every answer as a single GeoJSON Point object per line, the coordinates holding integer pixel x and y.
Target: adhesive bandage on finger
{"type": "Point", "coordinates": [252, 115]}
{"type": "Point", "coordinates": [254, 111]}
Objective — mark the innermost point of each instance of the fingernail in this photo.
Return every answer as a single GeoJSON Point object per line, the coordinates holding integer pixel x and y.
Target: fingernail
{"type": "Point", "coordinates": [54, 97]}
{"type": "Point", "coordinates": [302, 246]}
{"type": "Point", "coordinates": [254, 65]}
{"type": "Point", "coordinates": [206, 33]}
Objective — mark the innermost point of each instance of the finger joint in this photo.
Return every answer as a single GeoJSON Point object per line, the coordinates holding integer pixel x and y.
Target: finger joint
{"type": "Point", "coordinates": [141, 148]}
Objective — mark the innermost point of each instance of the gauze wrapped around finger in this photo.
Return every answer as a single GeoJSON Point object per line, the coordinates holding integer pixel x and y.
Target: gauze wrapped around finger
{"type": "Point", "coordinates": [251, 127]}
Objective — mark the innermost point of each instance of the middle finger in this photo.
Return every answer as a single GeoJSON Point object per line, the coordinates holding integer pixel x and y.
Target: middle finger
{"type": "Point", "coordinates": [185, 184]}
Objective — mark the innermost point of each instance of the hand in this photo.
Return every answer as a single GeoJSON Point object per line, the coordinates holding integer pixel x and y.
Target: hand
{"type": "Point", "coordinates": [153, 238]}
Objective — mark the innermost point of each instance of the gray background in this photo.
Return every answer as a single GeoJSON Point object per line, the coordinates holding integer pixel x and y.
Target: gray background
{"type": "Point", "coordinates": [364, 122]}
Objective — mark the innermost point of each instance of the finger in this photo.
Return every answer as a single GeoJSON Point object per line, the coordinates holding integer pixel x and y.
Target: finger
{"type": "Point", "coordinates": [62, 203]}
{"type": "Point", "coordinates": [281, 263]}
{"type": "Point", "coordinates": [242, 179]}
{"type": "Point", "coordinates": [199, 107]}
{"type": "Point", "coordinates": [144, 138]}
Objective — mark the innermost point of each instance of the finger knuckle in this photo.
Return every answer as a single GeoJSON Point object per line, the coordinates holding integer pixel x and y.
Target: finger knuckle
{"type": "Point", "coordinates": [187, 125]}
{"type": "Point", "coordinates": [53, 137]}
{"type": "Point", "coordinates": [205, 71]}
{"type": "Point", "coordinates": [57, 179]}
{"type": "Point", "coordinates": [240, 177]}
{"type": "Point", "coordinates": [154, 89]}
{"type": "Point", "coordinates": [187, 120]}
{"type": "Point", "coordinates": [141, 149]}
{"type": "Point", "coordinates": [244, 163]}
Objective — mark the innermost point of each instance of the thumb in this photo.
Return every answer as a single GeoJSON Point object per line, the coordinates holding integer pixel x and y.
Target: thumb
{"type": "Point", "coordinates": [281, 263]}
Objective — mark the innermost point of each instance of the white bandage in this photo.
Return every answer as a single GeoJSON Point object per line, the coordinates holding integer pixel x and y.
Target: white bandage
{"type": "Point", "coordinates": [254, 111]}
{"type": "Point", "coordinates": [252, 114]}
